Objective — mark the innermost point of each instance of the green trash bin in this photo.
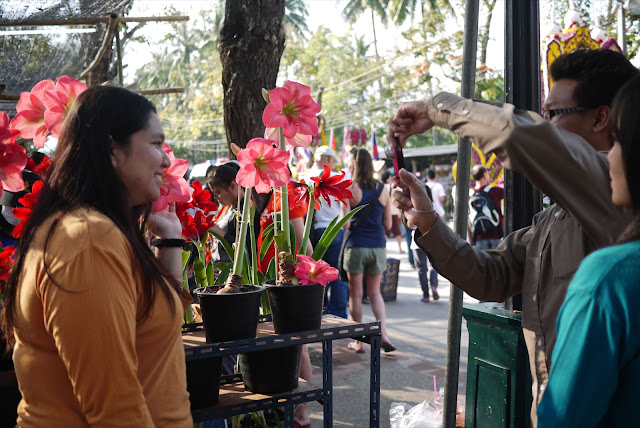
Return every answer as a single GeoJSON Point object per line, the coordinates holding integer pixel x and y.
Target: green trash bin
{"type": "Point", "coordinates": [498, 375]}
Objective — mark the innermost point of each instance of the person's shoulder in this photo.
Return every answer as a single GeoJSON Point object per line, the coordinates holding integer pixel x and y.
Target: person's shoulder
{"type": "Point", "coordinates": [615, 264]}
{"type": "Point", "coordinates": [86, 227]}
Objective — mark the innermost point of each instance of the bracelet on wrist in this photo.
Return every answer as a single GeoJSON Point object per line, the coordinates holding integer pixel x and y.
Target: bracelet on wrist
{"type": "Point", "coordinates": [168, 243]}
{"type": "Point", "coordinates": [431, 211]}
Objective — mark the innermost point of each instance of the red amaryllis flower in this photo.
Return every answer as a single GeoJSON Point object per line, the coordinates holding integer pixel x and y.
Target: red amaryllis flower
{"type": "Point", "coordinates": [59, 101]}
{"type": "Point", "coordinates": [13, 159]}
{"type": "Point", "coordinates": [262, 166]}
{"type": "Point", "coordinates": [30, 118]}
{"type": "Point", "coordinates": [309, 271]}
{"type": "Point", "coordinates": [335, 186]}
{"type": "Point", "coordinates": [42, 168]}
{"type": "Point", "coordinates": [7, 134]}
{"type": "Point", "coordinates": [197, 226]}
{"type": "Point", "coordinates": [23, 213]}
{"type": "Point", "coordinates": [182, 211]}
{"type": "Point", "coordinates": [292, 109]}
{"type": "Point", "coordinates": [202, 198]}
{"type": "Point", "coordinates": [174, 188]}
{"type": "Point", "coordinates": [298, 193]}
{"type": "Point", "coordinates": [6, 262]}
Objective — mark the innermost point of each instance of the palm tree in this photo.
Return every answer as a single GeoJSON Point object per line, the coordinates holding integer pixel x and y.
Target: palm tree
{"type": "Point", "coordinates": [355, 8]}
{"type": "Point", "coordinates": [402, 9]}
{"type": "Point", "coordinates": [295, 17]}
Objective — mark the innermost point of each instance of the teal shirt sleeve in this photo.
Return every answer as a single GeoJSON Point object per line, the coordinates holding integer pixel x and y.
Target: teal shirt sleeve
{"type": "Point", "coordinates": [587, 355]}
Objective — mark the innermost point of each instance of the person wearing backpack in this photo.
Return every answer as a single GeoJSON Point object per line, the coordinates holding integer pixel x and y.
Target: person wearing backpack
{"type": "Point", "coordinates": [486, 226]}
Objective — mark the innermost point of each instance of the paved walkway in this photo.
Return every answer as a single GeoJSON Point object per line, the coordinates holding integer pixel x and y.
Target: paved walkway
{"type": "Point", "coordinates": [418, 330]}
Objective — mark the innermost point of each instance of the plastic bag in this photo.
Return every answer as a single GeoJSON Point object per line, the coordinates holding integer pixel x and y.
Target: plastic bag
{"type": "Point", "coordinates": [423, 415]}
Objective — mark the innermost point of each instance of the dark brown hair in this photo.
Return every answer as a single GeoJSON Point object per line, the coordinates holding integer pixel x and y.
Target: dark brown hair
{"type": "Point", "coordinates": [626, 131]}
{"type": "Point", "coordinates": [363, 169]}
{"type": "Point", "coordinates": [82, 174]}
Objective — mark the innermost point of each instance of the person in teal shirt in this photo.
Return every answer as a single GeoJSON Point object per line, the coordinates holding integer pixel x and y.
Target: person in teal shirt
{"type": "Point", "coordinates": [595, 370]}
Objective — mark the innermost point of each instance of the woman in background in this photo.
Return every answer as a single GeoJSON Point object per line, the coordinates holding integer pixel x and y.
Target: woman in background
{"type": "Point", "coordinates": [94, 316]}
{"type": "Point", "coordinates": [595, 375]}
{"type": "Point", "coordinates": [365, 252]}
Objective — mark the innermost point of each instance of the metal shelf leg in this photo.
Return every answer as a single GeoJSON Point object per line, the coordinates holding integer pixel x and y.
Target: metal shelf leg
{"type": "Point", "coordinates": [374, 387]}
{"type": "Point", "coordinates": [327, 382]}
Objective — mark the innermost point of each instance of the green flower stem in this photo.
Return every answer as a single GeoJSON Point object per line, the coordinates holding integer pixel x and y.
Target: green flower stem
{"type": "Point", "coordinates": [240, 243]}
{"type": "Point", "coordinates": [284, 205]}
{"type": "Point", "coordinates": [254, 251]}
{"type": "Point", "coordinates": [188, 314]}
{"type": "Point", "coordinates": [200, 272]}
{"type": "Point", "coordinates": [307, 224]}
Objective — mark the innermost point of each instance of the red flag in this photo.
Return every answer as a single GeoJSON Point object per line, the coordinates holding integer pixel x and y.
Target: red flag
{"type": "Point", "coordinates": [332, 142]}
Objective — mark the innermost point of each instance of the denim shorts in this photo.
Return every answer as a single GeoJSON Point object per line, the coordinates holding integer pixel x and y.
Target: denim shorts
{"type": "Point", "coordinates": [365, 260]}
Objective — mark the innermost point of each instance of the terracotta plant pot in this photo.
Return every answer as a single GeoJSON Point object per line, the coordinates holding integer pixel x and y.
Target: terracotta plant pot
{"type": "Point", "coordinates": [296, 307]}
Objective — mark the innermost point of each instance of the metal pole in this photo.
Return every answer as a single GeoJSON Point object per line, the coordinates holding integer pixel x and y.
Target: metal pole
{"type": "Point", "coordinates": [622, 33]}
{"type": "Point", "coordinates": [469, 54]}
{"type": "Point", "coordinates": [522, 89]}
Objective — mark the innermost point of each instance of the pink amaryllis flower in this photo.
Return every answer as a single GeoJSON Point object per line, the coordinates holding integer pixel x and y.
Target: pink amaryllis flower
{"type": "Point", "coordinates": [13, 159]}
{"type": "Point", "coordinates": [292, 109]}
{"type": "Point", "coordinates": [7, 134]}
{"type": "Point", "coordinates": [298, 140]}
{"type": "Point", "coordinates": [174, 187]}
{"type": "Point", "coordinates": [335, 186]}
{"type": "Point", "coordinates": [262, 166]}
{"type": "Point", "coordinates": [309, 271]}
{"type": "Point", "coordinates": [30, 118]}
{"type": "Point", "coordinates": [59, 101]}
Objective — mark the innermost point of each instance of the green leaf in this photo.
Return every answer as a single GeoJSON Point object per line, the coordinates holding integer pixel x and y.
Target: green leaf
{"type": "Point", "coordinates": [330, 233]}
{"type": "Point", "coordinates": [227, 247]}
{"type": "Point", "coordinates": [210, 276]}
{"type": "Point", "coordinates": [224, 274]}
{"type": "Point", "coordinates": [267, 239]}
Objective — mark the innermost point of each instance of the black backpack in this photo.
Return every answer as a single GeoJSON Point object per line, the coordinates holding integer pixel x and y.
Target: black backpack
{"type": "Point", "coordinates": [483, 216]}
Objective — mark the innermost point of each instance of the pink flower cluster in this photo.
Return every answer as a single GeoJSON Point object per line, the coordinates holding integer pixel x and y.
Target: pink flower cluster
{"type": "Point", "coordinates": [41, 112]}
{"type": "Point", "coordinates": [174, 187]}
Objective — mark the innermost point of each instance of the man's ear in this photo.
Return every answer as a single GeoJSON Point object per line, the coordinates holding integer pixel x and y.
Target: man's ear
{"type": "Point", "coordinates": [601, 119]}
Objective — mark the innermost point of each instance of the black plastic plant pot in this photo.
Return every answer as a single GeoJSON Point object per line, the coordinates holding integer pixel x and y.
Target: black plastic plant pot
{"type": "Point", "coordinates": [272, 371]}
{"type": "Point", "coordinates": [231, 316]}
{"type": "Point", "coordinates": [296, 307]}
{"type": "Point", "coordinates": [203, 382]}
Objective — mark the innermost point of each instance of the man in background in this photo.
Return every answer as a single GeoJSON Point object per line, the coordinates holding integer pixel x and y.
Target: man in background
{"type": "Point", "coordinates": [338, 290]}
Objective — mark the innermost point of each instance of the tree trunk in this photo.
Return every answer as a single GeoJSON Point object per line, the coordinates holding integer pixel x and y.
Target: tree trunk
{"type": "Point", "coordinates": [251, 44]}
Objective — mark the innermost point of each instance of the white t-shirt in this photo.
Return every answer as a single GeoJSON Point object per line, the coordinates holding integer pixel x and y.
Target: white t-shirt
{"type": "Point", "coordinates": [437, 192]}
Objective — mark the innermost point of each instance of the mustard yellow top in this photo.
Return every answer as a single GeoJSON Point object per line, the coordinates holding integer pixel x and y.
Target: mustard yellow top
{"type": "Point", "coordinates": [83, 355]}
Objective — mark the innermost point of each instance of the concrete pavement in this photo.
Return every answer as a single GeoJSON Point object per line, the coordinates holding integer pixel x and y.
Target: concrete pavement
{"type": "Point", "coordinates": [418, 330]}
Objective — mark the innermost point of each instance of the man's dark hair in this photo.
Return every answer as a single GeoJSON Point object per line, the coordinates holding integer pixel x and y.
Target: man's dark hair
{"type": "Point", "coordinates": [385, 176]}
{"type": "Point", "coordinates": [431, 174]}
{"type": "Point", "coordinates": [600, 73]}
{"type": "Point", "coordinates": [477, 172]}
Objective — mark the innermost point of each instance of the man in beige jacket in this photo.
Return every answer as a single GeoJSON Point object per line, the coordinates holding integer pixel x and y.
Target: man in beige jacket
{"type": "Point", "coordinates": [561, 154]}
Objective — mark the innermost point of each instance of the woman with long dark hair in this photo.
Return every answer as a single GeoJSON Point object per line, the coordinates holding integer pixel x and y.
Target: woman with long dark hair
{"type": "Point", "coordinates": [595, 367]}
{"type": "Point", "coordinates": [365, 252]}
{"type": "Point", "coordinates": [221, 181]}
{"type": "Point", "coordinates": [93, 315]}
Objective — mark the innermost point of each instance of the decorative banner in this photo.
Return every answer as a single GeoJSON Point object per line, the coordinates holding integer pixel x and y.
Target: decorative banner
{"type": "Point", "coordinates": [493, 164]}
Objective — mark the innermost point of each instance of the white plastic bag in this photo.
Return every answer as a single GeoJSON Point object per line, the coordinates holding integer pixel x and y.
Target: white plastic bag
{"type": "Point", "coordinates": [423, 415]}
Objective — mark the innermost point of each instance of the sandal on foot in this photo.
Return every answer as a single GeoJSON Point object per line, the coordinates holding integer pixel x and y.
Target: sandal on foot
{"type": "Point", "coordinates": [356, 346]}
{"type": "Point", "coordinates": [388, 347]}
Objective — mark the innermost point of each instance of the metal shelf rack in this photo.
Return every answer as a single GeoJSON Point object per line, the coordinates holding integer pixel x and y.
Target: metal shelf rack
{"type": "Point", "coordinates": [235, 400]}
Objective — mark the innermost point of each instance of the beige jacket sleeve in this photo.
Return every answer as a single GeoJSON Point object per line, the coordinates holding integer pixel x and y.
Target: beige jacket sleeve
{"type": "Point", "coordinates": [492, 276]}
{"type": "Point", "coordinates": [559, 163]}
{"type": "Point", "coordinates": [91, 313]}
